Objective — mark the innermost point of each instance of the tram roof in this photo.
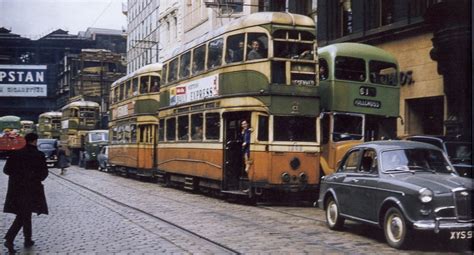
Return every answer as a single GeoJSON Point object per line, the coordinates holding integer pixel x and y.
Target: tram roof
{"type": "Point", "coordinates": [52, 114]}
{"type": "Point", "coordinates": [251, 20]}
{"type": "Point", "coordinates": [81, 103]}
{"type": "Point", "coordinates": [10, 118]}
{"type": "Point", "coordinates": [154, 67]}
{"type": "Point", "coordinates": [357, 49]}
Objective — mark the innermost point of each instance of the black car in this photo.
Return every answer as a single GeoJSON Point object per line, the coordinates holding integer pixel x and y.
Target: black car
{"type": "Point", "coordinates": [404, 187]}
{"type": "Point", "coordinates": [459, 151]}
{"type": "Point", "coordinates": [50, 149]}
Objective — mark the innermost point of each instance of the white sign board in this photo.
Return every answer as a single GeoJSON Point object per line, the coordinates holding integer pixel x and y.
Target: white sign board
{"type": "Point", "coordinates": [23, 81]}
{"type": "Point", "coordinates": [203, 88]}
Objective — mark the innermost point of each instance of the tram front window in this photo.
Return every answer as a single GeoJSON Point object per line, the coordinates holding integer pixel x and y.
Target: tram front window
{"type": "Point", "coordinates": [294, 129]}
{"type": "Point", "coordinates": [383, 73]}
{"type": "Point", "coordinates": [294, 50]}
{"type": "Point", "coordinates": [347, 127]}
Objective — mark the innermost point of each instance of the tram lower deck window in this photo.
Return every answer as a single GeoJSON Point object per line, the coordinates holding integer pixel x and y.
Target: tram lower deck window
{"type": "Point", "coordinates": [289, 128]}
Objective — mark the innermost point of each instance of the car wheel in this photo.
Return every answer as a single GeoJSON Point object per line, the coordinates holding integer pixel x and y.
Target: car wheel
{"type": "Point", "coordinates": [333, 219]}
{"type": "Point", "coordinates": [395, 228]}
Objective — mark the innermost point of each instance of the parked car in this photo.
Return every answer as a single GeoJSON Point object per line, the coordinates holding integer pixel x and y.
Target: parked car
{"type": "Point", "coordinates": [103, 158]}
{"type": "Point", "coordinates": [50, 149]}
{"type": "Point", "coordinates": [404, 187]}
{"type": "Point", "coordinates": [459, 151]}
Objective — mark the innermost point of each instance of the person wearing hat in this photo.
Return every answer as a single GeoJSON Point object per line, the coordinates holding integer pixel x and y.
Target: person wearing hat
{"type": "Point", "coordinates": [26, 169]}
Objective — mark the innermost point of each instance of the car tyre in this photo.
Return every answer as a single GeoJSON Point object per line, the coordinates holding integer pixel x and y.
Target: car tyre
{"type": "Point", "coordinates": [333, 219]}
{"type": "Point", "coordinates": [395, 228]}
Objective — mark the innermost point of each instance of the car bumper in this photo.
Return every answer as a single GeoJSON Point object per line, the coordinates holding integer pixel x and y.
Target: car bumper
{"type": "Point", "coordinates": [436, 226]}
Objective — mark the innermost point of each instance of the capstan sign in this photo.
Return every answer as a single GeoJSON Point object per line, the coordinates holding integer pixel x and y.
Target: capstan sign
{"type": "Point", "coordinates": [23, 81]}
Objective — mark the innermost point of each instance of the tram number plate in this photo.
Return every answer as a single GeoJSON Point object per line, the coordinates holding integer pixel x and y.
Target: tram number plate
{"type": "Point", "coordinates": [297, 148]}
{"type": "Point", "coordinates": [461, 235]}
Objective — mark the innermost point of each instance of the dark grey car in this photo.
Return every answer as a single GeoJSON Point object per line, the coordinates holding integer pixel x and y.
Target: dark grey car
{"type": "Point", "coordinates": [401, 186]}
{"type": "Point", "coordinates": [103, 158]}
{"type": "Point", "coordinates": [50, 149]}
{"type": "Point", "coordinates": [459, 151]}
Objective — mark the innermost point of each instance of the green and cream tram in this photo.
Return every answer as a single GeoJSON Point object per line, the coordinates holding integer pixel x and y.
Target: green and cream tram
{"type": "Point", "coordinates": [360, 98]}
{"type": "Point", "coordinates": [214, 83]}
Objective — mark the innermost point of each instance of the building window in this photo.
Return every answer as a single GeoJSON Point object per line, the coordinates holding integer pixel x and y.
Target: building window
{"type": "Point", "coordinates": [346, 15]}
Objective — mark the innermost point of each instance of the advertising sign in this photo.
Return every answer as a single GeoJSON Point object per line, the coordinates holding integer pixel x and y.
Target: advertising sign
{"type": "Point", "coordinates": [23, 81]}
{"type": "Point", "coordinates": [196, 90]}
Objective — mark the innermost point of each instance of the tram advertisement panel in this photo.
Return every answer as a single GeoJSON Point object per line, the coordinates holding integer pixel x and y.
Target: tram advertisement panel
{"type": "Point", "coordinates": [203, 88]}
{"type": "Point", "coordinates": [23, 81]}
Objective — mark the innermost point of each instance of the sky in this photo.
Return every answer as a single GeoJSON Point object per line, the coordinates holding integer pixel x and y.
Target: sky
{"type": "Point", "coordinates": [36, 18]}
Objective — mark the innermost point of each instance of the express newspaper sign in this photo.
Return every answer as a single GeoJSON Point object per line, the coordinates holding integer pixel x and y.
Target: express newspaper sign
{"type": "Point", "coordinates": [23, 81]}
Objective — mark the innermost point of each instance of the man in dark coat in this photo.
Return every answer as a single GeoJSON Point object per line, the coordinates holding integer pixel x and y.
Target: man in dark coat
{"type": "Point", "coordinates": [26, 169]}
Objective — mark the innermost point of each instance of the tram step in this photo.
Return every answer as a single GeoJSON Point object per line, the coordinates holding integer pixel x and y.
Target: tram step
{"type": "Point", "coordinates": [189, 183]}
{"type": "Point", "coordinates": [235, 192]}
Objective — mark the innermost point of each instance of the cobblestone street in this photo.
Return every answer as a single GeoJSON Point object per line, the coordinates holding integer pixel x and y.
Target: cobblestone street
{"type": "Point", "coordinates": [96, 212]}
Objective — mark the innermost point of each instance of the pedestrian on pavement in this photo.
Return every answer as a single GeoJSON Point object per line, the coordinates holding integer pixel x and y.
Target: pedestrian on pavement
{"type": "Point", "coordinates": [63, 161]}
{"type": "Point", "coordinates": [26, 169]}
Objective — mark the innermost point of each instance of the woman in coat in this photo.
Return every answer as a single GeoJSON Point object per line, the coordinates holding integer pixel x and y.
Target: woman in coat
{"type": "Point", "coordinates": [63, 161]}
{"type": "Point", "coordinates": [26, 169]}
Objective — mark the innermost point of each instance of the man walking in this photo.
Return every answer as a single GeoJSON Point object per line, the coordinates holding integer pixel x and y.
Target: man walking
{"type": "Point", "coordinates": [26, 169]}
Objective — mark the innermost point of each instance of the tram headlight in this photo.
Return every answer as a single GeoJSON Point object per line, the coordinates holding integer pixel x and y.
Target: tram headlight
{"type": "Point", "coordinates": [285, 177]}
{"type": "Point", "coordinates": [295, 163]}
{"type": "Point", "coordinates": [303, 177]}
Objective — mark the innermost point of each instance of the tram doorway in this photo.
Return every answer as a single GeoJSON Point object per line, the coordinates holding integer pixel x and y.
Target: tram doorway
{"type": "Point", "coordinates": [234, 167]}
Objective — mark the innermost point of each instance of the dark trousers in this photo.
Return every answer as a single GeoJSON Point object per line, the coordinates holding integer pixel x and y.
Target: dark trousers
{"type": "Point", "coordinates": [21, 220]}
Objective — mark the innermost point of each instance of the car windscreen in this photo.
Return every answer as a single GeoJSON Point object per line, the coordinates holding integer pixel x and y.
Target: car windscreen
{"type": "Point", "coordinates": [45, 146]}
{"type": "Point", "coordinates": [415, 159]}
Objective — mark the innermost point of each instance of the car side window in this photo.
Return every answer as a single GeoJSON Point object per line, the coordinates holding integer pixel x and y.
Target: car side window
{"type": "Point", "coordinates": [368, 163]}
{"type": "Point", "coordinates": [351, 161]}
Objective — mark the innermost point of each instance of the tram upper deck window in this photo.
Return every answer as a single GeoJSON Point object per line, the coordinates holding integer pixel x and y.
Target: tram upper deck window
{"type": "Point", "coordinates": [144, 83]}
{"type": "Point", "coordinates": [294, 44]}
{"type": "Point", "coordinates": [185, 65]}
{"type": "Point", "coordinates": [258, 46]}
{"type": "Point", "coordinates": [155, 84]}
{"type": "Point", "coordinates": [235, 48]}
{"type": "Point", "coordinates": [383, 72]}
{"type": "Point", "coordinates": [121, 91]}
{"type": "Point", "coordinates": [173, 70]}
{"type": "Point", "coordinates": [214, 56]}
{"type": "Point", "coordinates": [198, 59]}
{"type": "Point", "coordinates": [164, 73]}
{"type": "Point", "coordinates": [323, 69]}
{"type": "Point", "coordinates": [128, 89]}
{"type": "Point", "coordinates": [116, 94]}
{"type": "Point", "coordinates": [135, 87]}
{"type": "Point", "coordinates": [288, 128]}
{"type": "Point", "coordinates": [349, 68]}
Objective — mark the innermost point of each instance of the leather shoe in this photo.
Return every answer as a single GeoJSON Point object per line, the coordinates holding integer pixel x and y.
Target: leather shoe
{"type": "Point", "coordinates": [10, 246]}
{"type": "Point", "coordinates": [29, 243]}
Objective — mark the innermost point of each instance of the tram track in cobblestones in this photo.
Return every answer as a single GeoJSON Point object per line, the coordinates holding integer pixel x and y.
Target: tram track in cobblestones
{"type": "Point", "coordinates": [224, 249]}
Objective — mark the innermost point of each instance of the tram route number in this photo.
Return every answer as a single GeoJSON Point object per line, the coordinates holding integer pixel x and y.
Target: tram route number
{"type": "Point", "coordinates": [367, 91]}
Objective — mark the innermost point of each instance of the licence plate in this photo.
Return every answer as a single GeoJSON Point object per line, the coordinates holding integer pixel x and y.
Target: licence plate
{"type": "Point", "coordinates": [460, 235]}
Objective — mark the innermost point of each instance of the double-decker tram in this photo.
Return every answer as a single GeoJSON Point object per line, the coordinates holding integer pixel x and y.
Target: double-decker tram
{"type": "Point", "coordinates": [27, 126]}
{"type": "Point", "coordinates": [77, 118]}
{"type": "Point", "coordinates": [49, 125]}
{"type": "Point", "coordinates": [261, 70]}
{"type": "Point", "coordinates": [11, 138]}
{"type": "Point", "coordinates": [360, 95]}
{"type": "Point", "coordinates": [134, 122]}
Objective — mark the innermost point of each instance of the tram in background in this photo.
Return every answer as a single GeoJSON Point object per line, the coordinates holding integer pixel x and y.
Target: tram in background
{"type": "Point", "coordinates": [261, 68]}
{"type": "Point", "coordinates": [27, 126]}
{"type": "Point", "coordinates": [11, 138]}
{"type": "Point", "coordinates": [93, 142]}
{"type": "Point", "coordinates": [360, 97]}
{"type": "Point", "coordinates": [134, 122]}
{"type": "Point", "coordinates": [49, 125]}
{"type": "Point", "coordinates": [77, 118]}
